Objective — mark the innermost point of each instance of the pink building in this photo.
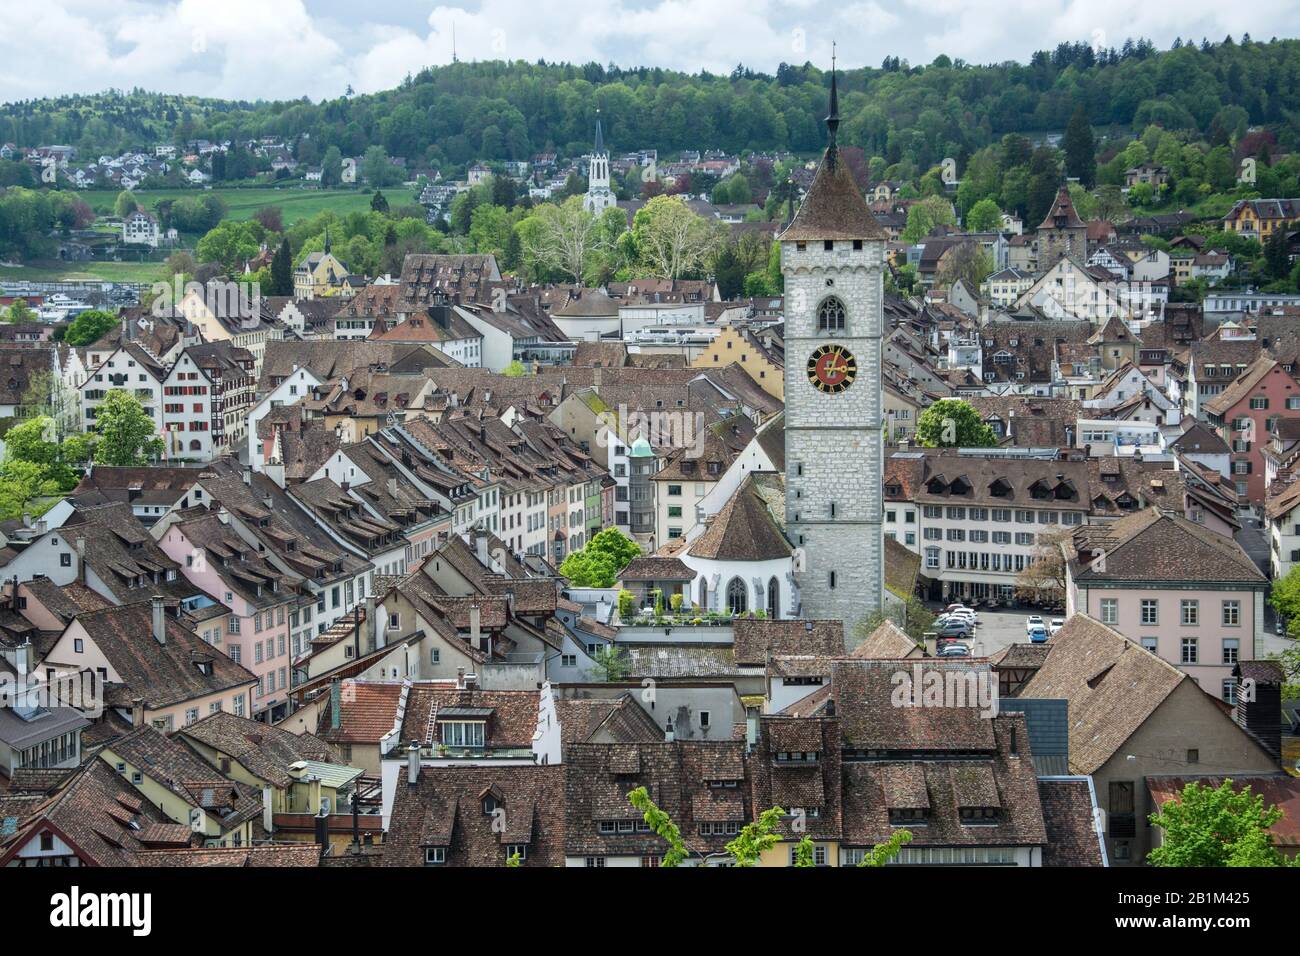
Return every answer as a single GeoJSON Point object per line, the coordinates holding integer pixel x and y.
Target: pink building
{"type": "Point", "coordinates": [260, 599]}
{"type": "Point", "coordinates": [1246, 415]}
{"type": "Point", "coordinates": [1185, 593]}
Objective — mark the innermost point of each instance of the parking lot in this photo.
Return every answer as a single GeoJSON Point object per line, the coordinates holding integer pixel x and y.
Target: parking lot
{"type": "Point", "coordinates": [1000, 627]}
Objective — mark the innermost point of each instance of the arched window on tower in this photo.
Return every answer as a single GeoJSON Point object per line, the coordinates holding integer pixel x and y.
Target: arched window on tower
{"type": "Point", "coordinates": [737, 599]}
{"type": "Point", "coordinates": [830, 315]}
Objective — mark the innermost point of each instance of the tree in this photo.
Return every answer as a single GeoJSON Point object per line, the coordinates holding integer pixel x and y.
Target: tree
{"type": "Point", "coordinates": [1217, 826]}
{"type": "Point", "coordinates": [753, 840]}
{"type": "Point", "coordinates": [671, 241]}
{"type": "Point", "coordinates": [1285, 598]}
{"type": "Point", "coordinates": [967, 261]}
{"type": "Point", "coordinates": [331, 167]}
{"type": "Point", "coordinates": [282, 270]}
{"type": "Point", "coordinates": [1043, 580]}
{"type": "Point", "coordinates": [127, 434]}
{"type": "Point", "coordinates": [125, 204]}
{"type": "Point", "coordinates": [1080, 149]}
{"type": "Point", "coordinates": [229, 244]}
{"type": "Point", "coordinates": [514, 370]}
{"type": "Point", "coordinates": [610, 662]}
{"type": "Point", "coordinates": [89, 327]}
{"type": "Point", "coordinates": [911, 616]}
{"type": "Point", "coordinates": [378, 203]}
{"type": "Point", "coordinates": [20, 312]}
{"type": "Point", "coordinates": [563, 238]}
{"type": "Point", "coordinates": [984, 216]}
{"type": "Point", "coordinates": [923, 216]}
{"type": "Point", "coordinates": [953, 423]}
{"type": "Point", "coordinates": [598, 563]}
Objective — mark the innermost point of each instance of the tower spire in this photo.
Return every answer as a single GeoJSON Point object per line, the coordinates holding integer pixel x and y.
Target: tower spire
{"type": "Point", "coordinates": [833, 117]}
{"type": "Point", "coordinates": [600, 139]}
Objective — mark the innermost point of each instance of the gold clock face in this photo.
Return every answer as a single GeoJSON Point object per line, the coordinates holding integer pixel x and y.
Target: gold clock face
{"type": "Point", "coordinates": [831, 369]}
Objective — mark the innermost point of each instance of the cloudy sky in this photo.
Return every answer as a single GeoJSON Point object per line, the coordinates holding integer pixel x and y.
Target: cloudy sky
{"type": "Point", "coordinates": [275, 49]}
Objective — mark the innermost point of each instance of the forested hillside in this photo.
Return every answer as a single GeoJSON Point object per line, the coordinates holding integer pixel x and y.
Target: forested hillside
{"type": "Point", "coordinates": [906, 114]}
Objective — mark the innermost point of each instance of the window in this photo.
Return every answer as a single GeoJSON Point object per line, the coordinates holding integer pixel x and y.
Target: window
{"type": "Point", "coordinates": [932, 558]}
{"type": "Point", "coordinates": [517, 850]}
{"type": "Point", "coordinates": [819, 855]}
{"type": "Point", "coordinates": [1231, 648]}
{"type": "Point", "coordinates": [435, 855]}
{"type": "Point", "coordinates": [830, 315]}
{"type": "Point", "coordinates": [1190, 652]}
{"type": "Point", "coordinates": [568, 660]}
{"type": "Point", "coordinates": [1149, 644]}
{"type": "Point", "coordinates": [1110, 610]}
{"type": "Point", "coordinates": [65, 560]}
{"type": "Point", "coordinates": [1259, 401]}
{"type": "Point", "coordinates": [1150, 611]}
{"type": "Point", "coordinates": [596, 861]}
{"type": "Point", "coordinates": [462, 733]}
{"type": "Point", "coordinates": [1228, 690]}
{"type": "Point", "coordinates": [1232, 613]}
{"type": "Point", "coordinates": [1190, 613]}
{"type": "Point", "coordinates": [737, 599]}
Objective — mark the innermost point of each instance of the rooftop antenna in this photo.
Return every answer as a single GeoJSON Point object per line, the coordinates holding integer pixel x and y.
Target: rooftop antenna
{"type": "Point", "coordinates": [453, 41]}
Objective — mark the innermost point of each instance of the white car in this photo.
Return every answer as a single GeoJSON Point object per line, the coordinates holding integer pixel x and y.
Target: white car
{"type": "Point", "coordinates": [1033, 621]}
{"type": "Point", "coordinates": [1056, 625]}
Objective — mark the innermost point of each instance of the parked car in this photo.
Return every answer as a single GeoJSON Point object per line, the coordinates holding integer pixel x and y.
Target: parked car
{"type": "Point", "coordinates": [1056, 625]}
{"type": "Point", "coordinates": [955, 649]}
{"type": "Point", "coordinates": [1038, 635]}
{"type": "Point", "coordinates": [953, 628]}
{"type": "Point", "coordinates": [1033, 621]}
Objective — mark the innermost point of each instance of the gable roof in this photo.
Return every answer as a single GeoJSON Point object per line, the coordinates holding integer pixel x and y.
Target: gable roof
{"type": "Point", "coordinates": [756, 639]}
{"type": "Point", "coordinates": [161, 674]}
{"type": "Point", "coordinates": [266, 752]}
{"type": "Point", "coordinates": [1111, 684]}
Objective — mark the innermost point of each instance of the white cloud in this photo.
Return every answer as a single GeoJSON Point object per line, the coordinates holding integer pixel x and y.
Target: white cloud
{"type": "Point", "coordinates": [268, 49]}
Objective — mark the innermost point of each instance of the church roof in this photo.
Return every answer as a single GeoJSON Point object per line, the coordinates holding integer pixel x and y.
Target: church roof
{"type": "Point", "coordinates": [744, 530]}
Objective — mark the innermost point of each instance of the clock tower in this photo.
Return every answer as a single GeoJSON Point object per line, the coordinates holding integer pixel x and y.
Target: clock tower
{"type": "Point", "coordinates": [833, 261]}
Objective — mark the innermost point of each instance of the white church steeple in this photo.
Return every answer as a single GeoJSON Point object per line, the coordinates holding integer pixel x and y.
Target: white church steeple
{"type": "Point", "coordinates": [599, 196]}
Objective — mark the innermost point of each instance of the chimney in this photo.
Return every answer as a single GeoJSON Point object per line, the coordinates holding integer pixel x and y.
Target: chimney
{"type": "Point", "coordinates": [392, 487]}
{"type": "Point", "coordinates": [669, 735]}
{"type": "Point", "coordinates": [322, 828]}
{"type": "Point", "coordinates": [460, 678]}
{"type": "Point", "coordinates": [336, 703]}
{"type": "Point", "coordinates": [481, 548]}
{"type": "Point", "coordinates": [475, 624]}
{"type": "Point", "coordinates": [268, 815]}
{"type": "Point", "coordinates": [159, 620]}
{"type": "Point", "coordinates": [248, 476]}
{"type": "Point", "coordinates": [413, 762]}
{"type": "Point", "coordinates": [27, 702]}
{"type": "Point", "coordinates": [137, 712]}
{"type": "Point", "coordinates": [372, 622]}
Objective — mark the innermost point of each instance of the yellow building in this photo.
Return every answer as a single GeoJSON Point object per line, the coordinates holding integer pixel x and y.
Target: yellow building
{"type": "Point", "coordinates": [742, 347]}
{"type": "Point", "coordinates": [319, 275]}
{"type": "Point", "coordinates": [168, 774]}
{"type": "Point", "coordinates": [1259, 218]}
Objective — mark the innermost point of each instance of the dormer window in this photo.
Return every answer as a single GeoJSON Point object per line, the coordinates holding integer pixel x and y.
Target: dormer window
{"type": "Point", "coordinates": [797, 756]}
{"type": "Point", "coordinates": [980, 816]}
{"type": "Point", "coordinates": [907, 816]}
{"type": "Point", "coordinates": [435, 855]}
